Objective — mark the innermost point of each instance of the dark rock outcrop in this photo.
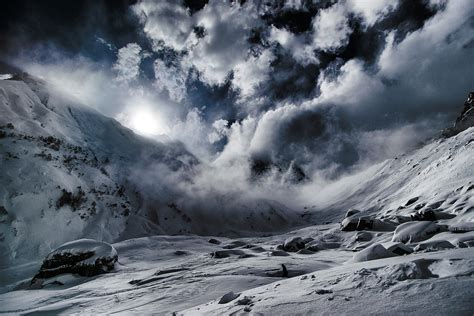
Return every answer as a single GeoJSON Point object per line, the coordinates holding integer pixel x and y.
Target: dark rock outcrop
{"type": "Point", "coordinates": [85, 257]}
{"type": "Point", "coordinates": [465, 120]}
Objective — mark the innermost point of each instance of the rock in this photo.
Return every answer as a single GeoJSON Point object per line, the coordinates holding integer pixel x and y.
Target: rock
{"type": "Point", "coordinates": [234, 244]}
{"type": "Point", "coordinates": [293, 244]}
{"type": "Point", "coordinates": [305, 252]}
{"type": "Point", "coordinates": [462, 227]}
{"type": "Point", "coordinates": [417, 231]}
{"type": "Point", "coordinates": [362, 236]}
{"type": "Point", "coordinates": [279, 253]}
{"type": "Point", "coordinates": [400, 219]}
{"type": "Point", "coordinates": [219, 254]}
{"type": "Point", "coordinates": [366, 223]}
{"type": "Point", "coordinates": [411, 201]}
{"type": "Point", "coordinates": [180, 252]}
{"type": "Point", "coordinates": [397, 248]}
{"type": "Point", "coordinates": [284, 272]}
{"type": "Point", "coordinates": [430, 215]}
{"type": "Point", "coordinates": [435, 205]}
{"type": "Point", "coordinates": [229, 297]}
{"type": "Point", "coordinates": [465, 120]}
{"type": "Point", "coordinates": [317, 245]}
{"type": "Point", "coordinates": [323, 291]}
{"type": "Point", "coordinates": [214, 241]}
{"type": "Point", "coordinates": [244, 301]}
{"type": "Point", "coordinates": [416, 269]}
{"type": "Point", "coordinates": [351, 212]}
{"type": "Point", "coordinates": [419, 206]}
{"type": "Point", "coordinates": [433, 245]}
{"type": "Point", "coordinates": [85, 257]}
{"type": "Point", "coordinates": [3, 214]}
{"type": "Point", "coordinates": [257, 249]}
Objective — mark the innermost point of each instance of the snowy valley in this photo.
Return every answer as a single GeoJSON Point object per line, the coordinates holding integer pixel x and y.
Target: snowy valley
{"type": "Point", "coordinates": [396, 237]}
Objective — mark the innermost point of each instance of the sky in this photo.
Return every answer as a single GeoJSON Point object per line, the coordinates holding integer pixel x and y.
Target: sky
{"type": "Point", "coordinates": [291, 90]}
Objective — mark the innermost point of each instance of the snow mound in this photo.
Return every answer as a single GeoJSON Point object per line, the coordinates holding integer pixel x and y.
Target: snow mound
{"type": "Point", "coordinates": [380, 251]}
{"type": "Point", "coordinates": [373, 252]}
{"type": "Point", "coordinates": [416, 231]}
{"type": "Point", "coordinates": [416, 269]}
{"type": "Point", "coordinates": [432, 245]}
{"type": "Point", "coordinates": [5, 76]}
{"type": "Point", "coordinates": [86, 257]}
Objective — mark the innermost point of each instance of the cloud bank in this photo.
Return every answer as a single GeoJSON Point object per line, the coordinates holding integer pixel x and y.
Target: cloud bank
{"type": "Point", "coordinates": [266, 92]}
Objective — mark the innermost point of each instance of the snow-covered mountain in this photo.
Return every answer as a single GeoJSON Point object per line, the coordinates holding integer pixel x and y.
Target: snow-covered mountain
{"type": "Point", "coordinates": [69, 172]}
{"type": "Point", "coordinates": [405, 246]}
{"type": "Point", "coordinates": [64, 170]}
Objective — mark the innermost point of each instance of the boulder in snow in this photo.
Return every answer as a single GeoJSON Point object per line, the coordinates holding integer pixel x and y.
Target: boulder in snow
{"type": "Point", "coordinates": [462, 227]}
{"type": "Point", "coordinates": [432, 245]}
{"type": "Point", "coordinates": [293, 244]}
{"type": "Point", "coordinates": [431, 215]}
{"type": "Point", "coordinates": [373, 252]}
{"type": "Point", "coordinates": [397, 248]}
{"type": "Point", "coordinates": [417, 231]}
{"type": "Point", "coordinates": [351, 212]}
{"type": "Point", "coordinates": [228, 297]}
{"type": "Point", "coordinates": [318, 245]}
{"type": "Point", "coordinates": [85, 257]}
{"type": "Point", "coordinates": [366, 223]}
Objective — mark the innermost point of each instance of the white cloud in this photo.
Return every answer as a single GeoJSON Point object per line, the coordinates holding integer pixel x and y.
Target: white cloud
{"type": "Point", "coordinates": [225, 44]}
{"type": "Point", "coordinates": [171, 78]}
{"type": "Point", "coordinates": [249, 74]}
{"type": "Point", "coordinates": [432, 62]}
{"type": "Point", "coordinates": [219, 132]}
{"type": "Point", "coordinates": [331, 28]}
{"type": "Point", "coordinates": [352, 86]}
{"type": "Point", "coordinates": [296, 45]}
{"type": "Point", "coordinates": [372, 10]}
{"type": "Point", "coordinates": [128, 62]}
{"type": "Point", "coordinates": [444, 34]}
{"type": "Point", "coordinates": [165, 21]}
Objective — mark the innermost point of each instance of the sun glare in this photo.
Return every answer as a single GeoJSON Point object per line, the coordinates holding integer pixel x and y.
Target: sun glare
{"type": "Point", "coordinates": [144, 121]}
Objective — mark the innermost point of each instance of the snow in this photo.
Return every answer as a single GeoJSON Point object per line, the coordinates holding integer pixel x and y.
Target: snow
{"type": "Point", "coordinates": [100, 250]}
{"type": "Point", "coordinates": [5, 76]}
{"type": "Point", "coordinates": [415, 231]}
{"type": "Point", "coordinates": [420, 284]}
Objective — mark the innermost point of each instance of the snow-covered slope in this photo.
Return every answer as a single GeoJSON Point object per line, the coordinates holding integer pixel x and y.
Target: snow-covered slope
{"type": "Point", "coordinates": [68, 172]}
{"type": "Point", "coordinates": [189, 274]}
{"type": "Point", "coordinates": [63, 170]}
{"type": "Point", "coordinates": [439, 175]}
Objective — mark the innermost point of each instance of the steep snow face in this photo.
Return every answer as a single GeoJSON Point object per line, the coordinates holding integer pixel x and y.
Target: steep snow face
{"type": "Point", "coordinates": [64, 172]}
{"type": "Point", "coordinates": [437, 176]}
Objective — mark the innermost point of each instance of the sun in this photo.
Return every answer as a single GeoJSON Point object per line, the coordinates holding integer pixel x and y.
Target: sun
{"type": "Point", "coordinates": [144, 121]}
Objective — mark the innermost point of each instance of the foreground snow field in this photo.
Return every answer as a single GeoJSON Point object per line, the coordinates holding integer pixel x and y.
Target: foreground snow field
{"type": "Point", "coordinates": [404, 247]}
{"type": "Point", "coordinates": [165, 274]}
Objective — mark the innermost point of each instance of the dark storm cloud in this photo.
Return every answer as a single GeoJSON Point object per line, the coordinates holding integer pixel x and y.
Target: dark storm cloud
{"type": "Point", "coordinates": [73, 26]}
{"type": "Point", "coordinates": [311, 84]}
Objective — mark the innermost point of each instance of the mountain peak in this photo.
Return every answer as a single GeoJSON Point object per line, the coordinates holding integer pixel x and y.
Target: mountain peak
{"type": "Point", "coordinates": [464, 120]}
